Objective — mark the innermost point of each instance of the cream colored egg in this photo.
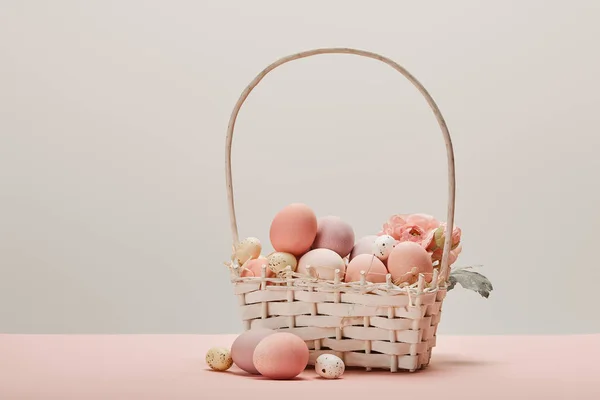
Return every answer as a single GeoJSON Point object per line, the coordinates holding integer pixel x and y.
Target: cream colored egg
{"type": "Point", "coordinates": [219, 359]}
{"type": "Point", "coordinates": [278, 261]}
{"type": "Point", "coordinates": [383, 246]}
{"type": "Point", "coordinates": [247, 249]}
{"type": "Point", "coordinates": [329, 366]}
{"type": "Point", "coordinates": [322, 263]}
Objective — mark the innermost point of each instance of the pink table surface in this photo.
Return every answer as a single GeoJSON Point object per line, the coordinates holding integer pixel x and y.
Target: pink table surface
{"type": "Point", "coordinates": [172, 367]}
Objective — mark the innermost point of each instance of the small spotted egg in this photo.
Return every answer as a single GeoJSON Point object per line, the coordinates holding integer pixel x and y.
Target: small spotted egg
{"type": "Point", "coordinates": [219, 359]}
{"type": "Point", "coordinates": [247, 249]}
{"type": "Point", "coordinates": [383, 246]}
{"type": "Point", "coordinates": [329, 366]}
{"type": "Point", "coordinates": [278, 261]}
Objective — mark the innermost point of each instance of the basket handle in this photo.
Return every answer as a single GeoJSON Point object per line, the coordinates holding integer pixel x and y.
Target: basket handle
{"type": "Point", "coordinates": [449, 150]}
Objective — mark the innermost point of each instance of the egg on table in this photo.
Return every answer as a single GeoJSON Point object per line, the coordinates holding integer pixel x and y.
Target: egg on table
{"type": "Point", "coordinates": [242, 349]}
{"type": "Point", "coordinates": [247, 249]}
{"type": "Point", "coordinates": [219, 359]}
{"type": "Point", "coordinates": [334, 234]}
{"type": "Point", "coordinates": [407, 260]}
{"type": "Point", "coordinates": [293, 229]}
{"type": "Point", "coordinates": [281, 355]}
{"type": "Point", "coordinates": [323, 263]}
{"type": "Point", "coordinates": [373, 267]}
{"type": "Point", "coordinates": [329, 366]}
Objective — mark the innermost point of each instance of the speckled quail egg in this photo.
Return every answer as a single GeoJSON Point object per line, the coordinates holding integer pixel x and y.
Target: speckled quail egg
{"type": "Point", "coordinates": [383, 246]}
{"type": "Point", "coordinates": [219, 359]}
{"type": "Point", "coordinates": [278, 261]}
{"type": "Point", "coordinates": [247, 249]}
{"type": "Point", "coordinates": [329, 366]}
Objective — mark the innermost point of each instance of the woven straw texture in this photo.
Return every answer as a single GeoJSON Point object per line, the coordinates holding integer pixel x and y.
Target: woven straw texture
{"type": "Point", "coordinates": [366, 325]}
{"type": "Point", "coordinates": [382, 326]}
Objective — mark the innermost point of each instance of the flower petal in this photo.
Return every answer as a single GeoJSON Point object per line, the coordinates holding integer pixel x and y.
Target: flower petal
{"type": "Point", "coordinates": [425, 221]}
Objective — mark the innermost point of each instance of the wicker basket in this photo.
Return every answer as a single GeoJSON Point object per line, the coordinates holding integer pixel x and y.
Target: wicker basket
{"type": "Point", "coordinates": [375, 326]}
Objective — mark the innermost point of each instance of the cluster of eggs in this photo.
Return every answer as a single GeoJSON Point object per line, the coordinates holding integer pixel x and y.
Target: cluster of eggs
{"type": "Point", "coordinates": [272, 354]}
{"type": "Point", "coordinates": [318, 246]}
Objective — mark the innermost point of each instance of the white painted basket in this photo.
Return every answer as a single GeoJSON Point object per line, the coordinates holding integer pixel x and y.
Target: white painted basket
{"type": "Point", "coordinates": [368, 325]}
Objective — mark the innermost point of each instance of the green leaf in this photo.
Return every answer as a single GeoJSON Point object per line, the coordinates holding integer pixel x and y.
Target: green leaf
{"type": "Point", "coordinates": [470, 280]}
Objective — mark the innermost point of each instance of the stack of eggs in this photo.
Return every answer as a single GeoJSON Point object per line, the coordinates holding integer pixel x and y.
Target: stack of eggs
{"type": "Point", "coordinates": [318, 243]}
{"type": "Point", "coordinates": [316, 247]}
{"type": "Point", "coordinates": [272, 354]}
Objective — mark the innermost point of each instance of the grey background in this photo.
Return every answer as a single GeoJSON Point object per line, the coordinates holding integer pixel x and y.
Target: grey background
{"type": "Point", "coordinates": [113, 114]}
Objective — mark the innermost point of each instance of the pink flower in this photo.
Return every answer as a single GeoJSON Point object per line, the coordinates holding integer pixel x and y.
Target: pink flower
{"type": "Point", "coordinates": [411, 233]}
{"type": "Point", "coordinates": [393, 226]}
{"type": "Point", "coordinates": [412, 228]}
{"type": "Point", "coordinates": [452, 257]}
{"type": "Point", "coordinates": [436, 244]}
{"type": "Point", "coordinates": [424, 230]}
{"type": "Point", "coordinates": [426, 222]}
{"type": "Point", "coordinates": [428, 242]}
{"type": "Point", "coordinates": [439, 237]}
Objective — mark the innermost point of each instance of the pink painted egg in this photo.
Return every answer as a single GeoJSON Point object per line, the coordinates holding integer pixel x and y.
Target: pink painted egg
{"type": "Point", "coordinates": [242, 349]}
{"type": "Point", "coordinates": [281, 355]}
{"type": "Point", "coordinates": [334, 234]}
{"type": "Point", "coordinates": [324, 262]}
{"type": "Point", "coordinates": [363, 245]}
{"type": "Point", "coordinates": [253, 268]}
{"type": "Point", "coordinates": [407, 261]}
{"type": "Point", "coordinates": [293, 230]}
{"type": "Point", "coordinates": [368, 263]}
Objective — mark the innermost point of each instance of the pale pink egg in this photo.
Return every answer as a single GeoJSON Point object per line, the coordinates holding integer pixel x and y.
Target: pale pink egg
{"type": "Point", "coordinates": [293, 229]}
{"type": "Point", "coordinates": [324, 262]}
{"type": "Point", "coordinates": [407, 261]}
{"type": "Point", "coordinates": [242, 349]}
{"type": "Point", "coordinates": [366, 262]}
{"type": "Point", "coordinates": [281, 355]}
{"type": "Point", "coordinates": [364, 245]}
{"type": "Point", "coordinates": [253, 268]}
{"type": "Point", "coordinates": [334, 234]}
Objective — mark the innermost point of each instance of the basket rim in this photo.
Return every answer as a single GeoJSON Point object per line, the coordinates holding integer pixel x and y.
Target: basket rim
{"type": "Point", "coordinates": [362, 287]}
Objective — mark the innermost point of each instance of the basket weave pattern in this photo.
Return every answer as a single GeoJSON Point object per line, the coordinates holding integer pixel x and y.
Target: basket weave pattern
{"type": "Point", "coordinates": [372, 325]}
{"type": "Point", "coordinates": [369, 325]}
